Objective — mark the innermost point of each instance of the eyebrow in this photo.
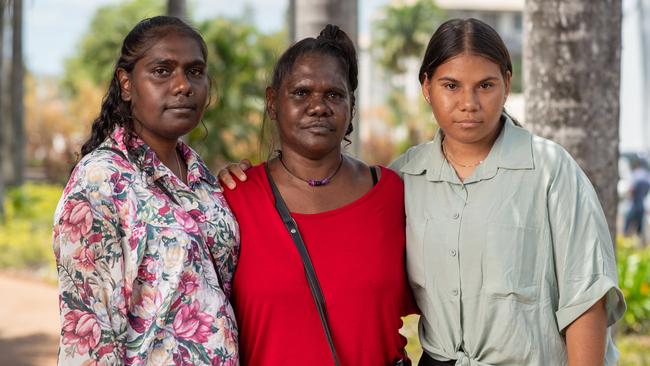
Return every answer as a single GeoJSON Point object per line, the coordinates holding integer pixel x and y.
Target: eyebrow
{"type": "Point", "coordinates": [168, 61]}
{"type": "Point", "coordinates": [450, 79]}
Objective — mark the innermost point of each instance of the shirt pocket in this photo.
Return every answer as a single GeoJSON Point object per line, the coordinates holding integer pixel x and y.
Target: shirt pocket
{"type": "Point", "coordinates": [511, 261]}
{"type": "Point", "coordinates": [415, 251]}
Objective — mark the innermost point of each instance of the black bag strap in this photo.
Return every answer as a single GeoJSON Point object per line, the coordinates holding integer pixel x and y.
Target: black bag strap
{"type": "Point", "coordinates": [310, 273]}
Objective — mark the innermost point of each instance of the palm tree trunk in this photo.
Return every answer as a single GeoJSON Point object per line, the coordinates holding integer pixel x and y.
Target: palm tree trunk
{"type": "Point", "coordinates": [17, 72]}
{"type": "Point", "coordinates": [309, 17]}
{"type": "Point", "coordinates": [177, 8]}
{"type": "Point", "coordinates": [572, 53]}
{"type": "Point", "coordinates": [2, 107]}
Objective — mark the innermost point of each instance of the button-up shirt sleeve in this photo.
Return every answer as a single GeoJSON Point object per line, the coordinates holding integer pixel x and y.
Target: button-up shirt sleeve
{"type": "Point", "coordinates": [90, 266]}
{"type": "Point", "coordinates": [583, 251]}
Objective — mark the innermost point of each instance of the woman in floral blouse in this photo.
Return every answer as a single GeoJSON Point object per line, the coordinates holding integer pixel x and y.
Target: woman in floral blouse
{"type": "Point", "coordinates": [144, 240]}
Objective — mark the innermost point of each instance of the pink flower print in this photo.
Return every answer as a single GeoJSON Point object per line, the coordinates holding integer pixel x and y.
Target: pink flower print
{"type": "Point", "coordinates": [147, 301]}
{"type": "Point", "coordinates": [186, 221]}
{"type": "Point", "coordinates": [147, 269]}
{"type": "Point", "coordinates": [189, 283]}
{"type": "Point", "coordinates": [81, 329]}
{"type": "Point", "coordinates": [77, 219]}
{"type": "Point", "coordinates": [192, 324]}
{"type": "Point", "coordinates": [197, 215]}
{"type": "Point", "coordinates": [137, 234]}
{"type": "Point", "coordinates": [85, 258]}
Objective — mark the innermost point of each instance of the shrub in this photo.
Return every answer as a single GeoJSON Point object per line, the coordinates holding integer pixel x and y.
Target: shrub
{"type": "Point", "coordinates": [26, 229]}
{"type": "Point", "coordinates": [634, 280]}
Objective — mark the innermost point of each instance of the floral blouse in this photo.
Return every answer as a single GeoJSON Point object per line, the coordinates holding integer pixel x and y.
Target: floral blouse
{"type": "Point", "coordinates": [145, 262]}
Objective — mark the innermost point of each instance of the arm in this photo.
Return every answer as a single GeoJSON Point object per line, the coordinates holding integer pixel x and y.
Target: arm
{"type": "Point", "coordinates": [90, 267]}
{"type": "Point", "coordinates": [234, 169]}
{"type": "Point", "coordinates": [586, 337]}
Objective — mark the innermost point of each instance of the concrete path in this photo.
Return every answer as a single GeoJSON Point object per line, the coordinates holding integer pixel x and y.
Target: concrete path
{"type": "Point", "coordinates": [29, 322]}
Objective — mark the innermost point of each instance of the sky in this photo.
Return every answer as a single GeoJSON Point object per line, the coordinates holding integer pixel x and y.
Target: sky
{"type": "Point", "coordinates": [54, 27]}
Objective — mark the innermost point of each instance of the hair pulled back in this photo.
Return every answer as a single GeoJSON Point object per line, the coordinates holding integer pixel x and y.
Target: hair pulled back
{"type": "Point", "coordinates": [332, 41]}
{"type": "Point", "coordinates": [457, 36]}
{"type": "Point", "coordinates": [115, 111]}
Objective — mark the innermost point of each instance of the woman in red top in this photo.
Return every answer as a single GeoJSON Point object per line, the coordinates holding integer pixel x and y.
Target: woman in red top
{"type": "Point", "coordinates": [350, 215]}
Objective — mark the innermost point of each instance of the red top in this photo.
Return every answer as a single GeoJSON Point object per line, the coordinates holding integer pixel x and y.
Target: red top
{"type": "Point", "coordinates": [358, 254]}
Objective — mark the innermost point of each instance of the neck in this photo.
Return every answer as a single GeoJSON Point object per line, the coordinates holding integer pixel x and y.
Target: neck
{"type": "Point", "coordinates": [469, 153]}
{"type": "Point", "coordinates": [304, 168]}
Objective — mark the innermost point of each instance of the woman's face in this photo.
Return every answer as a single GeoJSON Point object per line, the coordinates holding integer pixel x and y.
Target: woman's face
{"type": "Point", "coordinates": [311, 106]}
{"type": "Point", "coordinates": [167, 88]}
{"type": "Point", "coordinates": [467, 94]}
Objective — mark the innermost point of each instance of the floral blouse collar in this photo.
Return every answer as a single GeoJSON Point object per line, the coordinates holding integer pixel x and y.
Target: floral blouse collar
{"type": "Point", "coordinates": [138, 151]}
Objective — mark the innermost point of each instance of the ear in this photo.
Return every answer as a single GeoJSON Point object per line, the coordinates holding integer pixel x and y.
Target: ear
{"type": "Point", "coordinates": [426, 88]}
{"type": "Point", "coordinates": [270, 103]}
{"type": "Point", "coordinates": [125, 84]}
{"type": "Point", "coordinates": [507, 81]}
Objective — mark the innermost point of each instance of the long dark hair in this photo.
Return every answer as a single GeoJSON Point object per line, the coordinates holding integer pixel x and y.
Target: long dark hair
{"type": "Point", "coordinates": [332, 41]}
{"type": "Point", "coordinates": [115, 111]}
{"type": "Point", "coordinates": [457, 36]}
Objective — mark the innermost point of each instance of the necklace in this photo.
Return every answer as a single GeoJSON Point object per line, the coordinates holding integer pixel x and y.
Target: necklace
{"type": "Point", "coordinates": [450, 157]}
{"type": "Point", "coordinates": [178, 164]}
{"type": "Point", "coordinates": [313, 182]}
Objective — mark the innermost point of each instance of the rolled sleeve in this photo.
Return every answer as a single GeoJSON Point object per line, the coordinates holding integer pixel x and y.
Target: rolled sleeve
{"type": "Point", "coordinates": [585, 265]}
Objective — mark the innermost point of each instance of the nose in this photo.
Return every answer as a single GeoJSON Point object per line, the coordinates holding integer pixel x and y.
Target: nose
{"type": "Point", "coordinates": [318, 106]}
{"type": "Point", "coordinates": [469, 101]}
{"type": "Point", "coordinates": [181, 84]}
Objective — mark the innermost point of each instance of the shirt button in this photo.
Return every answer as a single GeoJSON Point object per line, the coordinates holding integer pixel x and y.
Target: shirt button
{"type": "Point", "coordinates": [452, 252]}
{"type": "Point", "coordinates": [455, 215]}
{"type": "Point", "coordinates": [454, 292]}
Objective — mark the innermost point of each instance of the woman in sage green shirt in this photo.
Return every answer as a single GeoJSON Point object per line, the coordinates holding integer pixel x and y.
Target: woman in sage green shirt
{"type": "Point", "coordinates": [508, 250]}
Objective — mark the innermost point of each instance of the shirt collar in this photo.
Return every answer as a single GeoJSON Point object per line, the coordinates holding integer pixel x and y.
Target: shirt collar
{"type": "Point", "coordinates": [147, 160]}
{"type": "Point", "coordinates": [511, 150]}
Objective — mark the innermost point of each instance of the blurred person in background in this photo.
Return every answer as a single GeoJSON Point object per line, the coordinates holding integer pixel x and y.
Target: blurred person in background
{"type": "Point", "coordinates": [639, 187]}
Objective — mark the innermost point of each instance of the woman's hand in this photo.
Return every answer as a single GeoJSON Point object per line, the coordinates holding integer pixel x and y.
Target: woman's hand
{"type": "Point", "coordinates": [234, 169]}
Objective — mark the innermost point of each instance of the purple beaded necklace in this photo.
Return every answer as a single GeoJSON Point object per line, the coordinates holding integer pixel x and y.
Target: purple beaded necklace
{"type": "Point", "coordinates": [313, 182]}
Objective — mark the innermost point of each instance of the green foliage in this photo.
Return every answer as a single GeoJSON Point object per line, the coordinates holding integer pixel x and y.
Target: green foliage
{"type": "Point", "coordinates": [100, 46]}
{"type": "Point", "coordinates": [240, 61]}
{"type": "Point", "coordinates": [634, 349]}
{"type": "Point", "coordinates": [404, 32]}
{"type": "Point", "coordinates": [26, 230]}
{"type": "Point", "coordinates": [634, 280]}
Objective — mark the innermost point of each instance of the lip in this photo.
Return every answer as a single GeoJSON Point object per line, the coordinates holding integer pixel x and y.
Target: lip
{"type": "Point", "coordinates": [468, 123]}
{"type": "Point", "coordinates": [319, 126]}
{"type": "Point", "coordinates": [185, 107]}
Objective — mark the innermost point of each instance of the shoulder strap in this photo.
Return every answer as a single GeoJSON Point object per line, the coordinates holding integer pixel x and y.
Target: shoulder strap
{"type": "Point", "coordinates": [310, 273]}
{"type": "Point", "coordinates": [373, 173]}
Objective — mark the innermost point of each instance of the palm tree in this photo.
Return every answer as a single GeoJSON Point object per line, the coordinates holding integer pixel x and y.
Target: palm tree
{"type": "Point", "coordinates": [404, 32]}
{"type": "Point", "coordinates": [399, 40]}
{"type": "Point", "coordinates": [572, 72]}
{"type": "Point", "coordinates": [2, 110]}
{"type": "Point", "coordinates": [17, 115]}
{"type": "Point", "coordinates": [177, 8]}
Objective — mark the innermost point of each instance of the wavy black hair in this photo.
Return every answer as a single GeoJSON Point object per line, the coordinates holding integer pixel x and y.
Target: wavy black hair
{"type": "Point", "coordinates": [115, 111]}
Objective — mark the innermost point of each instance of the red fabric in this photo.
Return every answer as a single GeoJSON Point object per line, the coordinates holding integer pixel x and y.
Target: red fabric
{"type": "Point", "coordinates": [358, 254]}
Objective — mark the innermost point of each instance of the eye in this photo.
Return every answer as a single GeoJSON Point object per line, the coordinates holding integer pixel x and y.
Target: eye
{"type": "Point", "coordinates": [486, 85]}
{"type": "Point", "coordinates": [160, 71]}
{"type": "Point", "coordinates": [300, 92]}
{"type": "Point", "coordinates": [196, 71]}
{"type": "Point", "coordinates": [334, 95]}
{"type": "Point", "coordinates": [450, 86]}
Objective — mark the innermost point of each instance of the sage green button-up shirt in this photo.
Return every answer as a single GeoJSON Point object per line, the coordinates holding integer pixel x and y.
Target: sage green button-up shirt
{"type": "Point", "coordinates": [502, 263]}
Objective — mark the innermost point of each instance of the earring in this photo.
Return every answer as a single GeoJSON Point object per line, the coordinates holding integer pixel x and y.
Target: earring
{"type": "Point", "coordinates": [427, 99]}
